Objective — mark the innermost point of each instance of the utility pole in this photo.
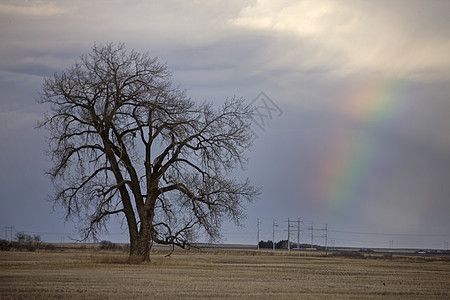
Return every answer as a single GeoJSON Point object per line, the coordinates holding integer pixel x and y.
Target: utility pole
{"type": "Point", "coordinates": [289, 235]}
{"type": "Point", "coordinates": [257, 236]}
{"type": "Point", "coordinates": [273, 234]}
{"type": "Point", "coordinates": [326, 239]}
{"type": "Point", "coordinates": [10, 228]}
{"type": "Point", "coordinates": [298, 232]}
{"type": "Point", "coordinates": [289, 232]}
{"type": "Point", "coordinates": [312, 235]}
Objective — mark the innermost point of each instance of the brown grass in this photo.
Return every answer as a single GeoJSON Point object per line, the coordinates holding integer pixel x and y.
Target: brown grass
{"type": "Point", "coordinates": [219, 274]}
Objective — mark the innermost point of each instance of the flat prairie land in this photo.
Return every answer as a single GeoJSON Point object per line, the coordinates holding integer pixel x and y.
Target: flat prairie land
{"type": "Point", "coordinates": [219, 274]}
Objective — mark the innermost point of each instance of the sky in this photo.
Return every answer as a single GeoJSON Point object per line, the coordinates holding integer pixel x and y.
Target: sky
{"type": "Point", "coordinates": [355, 133]}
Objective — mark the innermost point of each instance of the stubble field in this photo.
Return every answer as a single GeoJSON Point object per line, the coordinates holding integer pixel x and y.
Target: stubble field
{"type": "Point", "coordinates": [213, 274]}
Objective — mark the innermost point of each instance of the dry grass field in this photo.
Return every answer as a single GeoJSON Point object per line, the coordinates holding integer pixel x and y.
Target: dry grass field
{"type": "Point", "coordinates": [212, 274]}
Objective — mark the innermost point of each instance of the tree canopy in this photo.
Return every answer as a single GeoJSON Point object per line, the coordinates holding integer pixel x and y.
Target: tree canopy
{"type": "Point", "coordinates": [125, 140]}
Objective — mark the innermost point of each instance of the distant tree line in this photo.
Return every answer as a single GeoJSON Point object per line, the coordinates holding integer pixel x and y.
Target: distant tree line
{"type": "Point", "coordinates": [23, 241]}
{"type": "Point", "coordinates": [108, 245]}
{"type": "Point", "coordinates": [283, 244]}
{"type": "Point", "coordinates": [29, 242]}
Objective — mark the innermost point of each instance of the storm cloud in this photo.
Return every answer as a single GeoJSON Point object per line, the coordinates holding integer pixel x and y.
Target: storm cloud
{"type": "Point", "coordinates": [363, 140]}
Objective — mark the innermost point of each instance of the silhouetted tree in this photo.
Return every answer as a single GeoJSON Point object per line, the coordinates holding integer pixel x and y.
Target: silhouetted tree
{"type": "Point", "coordinates": [21, 237]}
{"type": "Point", "coordinates": [281, 244]}
{"type": "Point", "coordinates": [124, 140]}
{"type": "Point", "coordinates": [27, 241]}
{"type": "Point", "coordinates": [264, 245]}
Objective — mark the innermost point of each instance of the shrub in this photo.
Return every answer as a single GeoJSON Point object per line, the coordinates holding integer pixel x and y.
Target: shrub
{"type": "Point", "coordinates": [108, 245]}
{"type": "Point", "coordinates": [5, 245]}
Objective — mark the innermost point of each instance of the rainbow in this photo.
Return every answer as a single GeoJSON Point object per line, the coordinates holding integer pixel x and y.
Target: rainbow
{"type": "Point", "coordinates": [351, 153]}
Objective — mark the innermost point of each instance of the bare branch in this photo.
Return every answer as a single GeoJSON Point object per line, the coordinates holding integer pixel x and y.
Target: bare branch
{"type": "Point", "coordinates": [125, 140]}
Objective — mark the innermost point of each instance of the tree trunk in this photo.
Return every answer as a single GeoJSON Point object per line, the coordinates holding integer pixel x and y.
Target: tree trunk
{"type": "Point", "coordinates": [140, 250]}
{"type": "Point", "coordinates": [140, 245]}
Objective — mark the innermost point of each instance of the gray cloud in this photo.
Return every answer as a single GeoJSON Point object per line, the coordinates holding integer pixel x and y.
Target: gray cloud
{"type": "Point", "coordinates": [377, 37]}
{"type": "Point", "coordinates": [304, 55]}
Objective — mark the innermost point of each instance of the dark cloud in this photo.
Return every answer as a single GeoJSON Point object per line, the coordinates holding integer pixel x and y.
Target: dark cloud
{"type": "Point", "coordinates": [219, 50]}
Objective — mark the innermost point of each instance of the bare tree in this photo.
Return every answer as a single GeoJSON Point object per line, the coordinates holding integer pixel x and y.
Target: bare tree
{"type": "Point", "coordinates": [22, 237]}
{"type": "Point", "coordinates": [124, 140]}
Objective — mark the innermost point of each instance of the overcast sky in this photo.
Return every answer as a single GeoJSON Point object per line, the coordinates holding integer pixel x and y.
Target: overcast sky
{"type": "Point", "coordinates": [359, 138]}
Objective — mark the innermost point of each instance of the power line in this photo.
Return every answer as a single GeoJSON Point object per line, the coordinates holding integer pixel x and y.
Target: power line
{"type": "Point", "coordinates": [50, 233]}
{"type": "Point", "coordinates": [360, 241]}
{"type": "Point", "coordinates": [389, 234]}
